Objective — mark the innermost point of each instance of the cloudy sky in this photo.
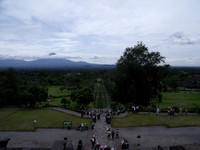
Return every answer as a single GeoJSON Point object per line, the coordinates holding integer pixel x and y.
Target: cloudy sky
{"type": "Point", "coordinates": [98, 31]}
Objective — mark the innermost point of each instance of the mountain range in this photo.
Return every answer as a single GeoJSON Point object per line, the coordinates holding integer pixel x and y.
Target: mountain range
{"type": "Point", "coordinates": [49, 64]}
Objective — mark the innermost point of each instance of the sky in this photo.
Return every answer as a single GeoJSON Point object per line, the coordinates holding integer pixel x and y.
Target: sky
{"type": "Point", "coordinates": [98, 31]}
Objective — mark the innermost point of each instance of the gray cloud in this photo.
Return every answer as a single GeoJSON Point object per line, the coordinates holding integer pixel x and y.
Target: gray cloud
{"type": "Point", "coordinates": [52, 53]}
{"type": "Point", "coordinates": [181, 38]}
{"type": "Point", "coordinates": [73, 57]}
{"type": "Point", "coordinates": [96, 57]}
{"type": "Point", "coordinates": [97, 31]}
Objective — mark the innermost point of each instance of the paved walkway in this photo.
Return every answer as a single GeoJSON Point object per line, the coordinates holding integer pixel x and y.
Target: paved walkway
{"type": "Point", "coordinates": [66, 111]}
{"type": "Point", "coordinates": [100, 132]}
{"type": "Point", "coordinates": [150, 136]}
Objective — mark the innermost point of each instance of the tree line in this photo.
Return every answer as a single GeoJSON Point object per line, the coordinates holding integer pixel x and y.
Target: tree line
{"type": "Point", "coordinates": [14, 90]}
{"type": "Point", "coordinates": [29, 87]}
{"type": "Point", "coordinates": [139, 77]}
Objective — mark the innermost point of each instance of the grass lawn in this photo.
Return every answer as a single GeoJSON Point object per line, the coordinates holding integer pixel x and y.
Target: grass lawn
{"type": "Point", "coordinates": [23, 119]}
{"type": "Point", "coordinates": [55, 101]}
{"type": "Point", "coordinates": [55, 91]}
{"type": "Point", "coordinates": [100, 101]}
{"type": "Point", "coordinates": [183, 100]}
{"type": "Point", "coordinates": [135, 120]}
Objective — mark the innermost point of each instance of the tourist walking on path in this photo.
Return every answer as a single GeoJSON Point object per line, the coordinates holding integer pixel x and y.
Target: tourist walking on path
{"type": "Point", "coordinates": [93, 141]}
{"type": "Point", "coordinates": [113, 134]}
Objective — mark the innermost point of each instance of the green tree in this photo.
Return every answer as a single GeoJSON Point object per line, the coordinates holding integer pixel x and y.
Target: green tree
{"type": "Point", "coordinates": [10, 87]}
{"type": "Point", "coordinates": [65, 102]}
{"type": "Point", "coordinates": [30, 96]}
{"type": "Point", "coordinates": [139, 78]}
{"type": "Point", "coordinates": [82, 96]}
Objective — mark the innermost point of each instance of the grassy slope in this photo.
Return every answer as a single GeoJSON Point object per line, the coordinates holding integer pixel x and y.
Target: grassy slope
{"type": "Point", "coordinates": [22, 119]}
{"type": "Point", "coordinates": [184, 100]}
{"type": "Point", "coordinates": [152, 120]}
{"type": "Point", "coordinates": [100, 98]}
{"type": "Point", "coordinates": [54, 91]}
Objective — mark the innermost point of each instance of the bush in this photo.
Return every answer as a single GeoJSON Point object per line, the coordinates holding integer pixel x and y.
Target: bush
{"type": "Point", "coordinates": [74, 105]}
{"type": "Point", "coordinates": [65, 102]}
{"type": "Point", "coordinates": [176, 108]}
{"type": "Point", "coordinates": [195, 109]}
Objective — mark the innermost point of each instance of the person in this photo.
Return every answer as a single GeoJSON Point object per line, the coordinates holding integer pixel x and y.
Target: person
{"type": "Point", "coordinates": [80, 145]}
{"type": "Point", "coordinates": [108, 121]}
{"type": "Point", "coordinates": [158, 110]}
{"type": "Point", "coordinates": [134, 109]}
{"type": "Point", "coordinates": [93, 141]}
{"type": "Point", "coordinates": [98, 116]}
{"type": "Point", "coordinates": [108, 133]}
{"type": "Point", "coordinates": [94, 118]}
{"type": "Point", "coordinates": [82, 127]}
{"type": "Point", "coordinates": [106, 147]}
{"type": "Point", "coordinates": [85, 126]}
{"type": "Point", "coordinates": [117, 133]}
{"type": "Point", "coordinates": [97, 146]}
{"type": "Point", "coordinates": [186, 111]}
{"type": "Point", "coordinates": [118, 112]}
{"type": "Point", "coordinates": [113, 134]}
{"type": "Point", "coordinates": [82, 113]}
{"type": "Point", "coordinates": [180, 110]}
{"type": "Point", "coordinates": [101, 147]}
{"type": "Point", "coordinates": [93, 124]}
{"type": "Point", "coordinates": [125, 144]}
{"type": "Point", "coordinates": [89, 114]}
{"type": "Point", "coordinates": [78, 126]}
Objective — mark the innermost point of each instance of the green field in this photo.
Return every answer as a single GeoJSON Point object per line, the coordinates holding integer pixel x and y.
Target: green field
{"type": "Point", "coordinates": [23, 119]}
{"type": "Point", "coordinates": [100, 101]}
{"type": "Point", "coordinates": [12, 119]}
{"type": "Point", "coordinates": [136, 120]}
{"type": "Point", "coordinates": [57, 95]}
{"type": "Point", "coordinates": [55, 91]}
{"type": "Point", "coordinates": [180, 99]}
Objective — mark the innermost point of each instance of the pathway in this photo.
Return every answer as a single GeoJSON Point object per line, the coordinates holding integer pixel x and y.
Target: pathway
{"type": "Point", "coordinates": [100, 132]}
{"type": "Point", "coordinates": [66, 111]}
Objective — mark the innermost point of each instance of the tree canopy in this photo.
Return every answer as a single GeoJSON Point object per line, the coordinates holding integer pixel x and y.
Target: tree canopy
{"type": "Point", "coordinates": [82, 96]}
{"type": "Point", "coordinates": [139, 78]}
{"type": "Point", "coordinates": [18, 91]}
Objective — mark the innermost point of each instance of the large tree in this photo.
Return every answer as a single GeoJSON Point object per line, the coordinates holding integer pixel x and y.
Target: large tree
{"type": "Point", "coordinates": [82, 96]}
{"type": "Point", "coordinates": [9, 87]}
{"type": "Point", "coordinates": [139, 78]}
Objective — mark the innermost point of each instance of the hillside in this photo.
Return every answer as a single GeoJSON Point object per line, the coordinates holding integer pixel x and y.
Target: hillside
{"type": "Point", "coordinates": [49, 63]}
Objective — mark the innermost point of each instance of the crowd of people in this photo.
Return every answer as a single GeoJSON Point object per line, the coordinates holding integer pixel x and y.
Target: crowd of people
{"type": "Point", "coordinates": [98, 146]}
{"type": "Point", "coordinates": [172, 110]}
{"type": "Point", "coordinates": [94, 115]}
{"type": "Point", "coordinates": [110, 132]}
{"type": "Point", "coordinates": [111, 135]}
{"type": "Point", "coordinates": [82, 126]}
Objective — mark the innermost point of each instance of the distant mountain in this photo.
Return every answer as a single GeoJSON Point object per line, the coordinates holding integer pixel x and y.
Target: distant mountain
{"type": "Point", "coordinates": [48, 64]}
